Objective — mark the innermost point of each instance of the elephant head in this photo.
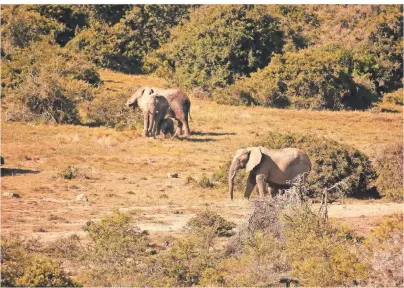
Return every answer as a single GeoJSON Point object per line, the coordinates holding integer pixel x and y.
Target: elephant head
{"type": "Point", "coordinates": [132, 101]}
{"type": "Point", "coordinates": [246, 158]}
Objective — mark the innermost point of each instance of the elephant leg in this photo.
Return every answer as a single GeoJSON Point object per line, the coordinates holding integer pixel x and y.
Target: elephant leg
{"type": "Point", "coordinates": [158, 126]}
{"type": "Point", "coordinates": [145, 123]}
{"type": "Point", "coordinates": [261, 180]}
{"type": "Point", "coordinates": [152, 125]}
{"type": "Point", "coordinates": [251, 186]}
{"type": "Point", "coordinates": [178, 131]}
{"type": "Point", "coordinates": [273, 190]}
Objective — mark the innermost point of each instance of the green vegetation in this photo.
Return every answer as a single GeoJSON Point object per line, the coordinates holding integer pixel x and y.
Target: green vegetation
{"type": "Point", "coordinates": [280, 241]}
{"type": "Point", "coordinates": [22, 265]}
{"type": "Point", "coordinates": [332, 163]}
{"type": "Point", "coordinates": [390, 172]}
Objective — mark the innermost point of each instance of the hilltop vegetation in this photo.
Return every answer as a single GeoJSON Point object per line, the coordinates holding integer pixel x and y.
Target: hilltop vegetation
{"type": "Point", "coordinates": [298, 56]}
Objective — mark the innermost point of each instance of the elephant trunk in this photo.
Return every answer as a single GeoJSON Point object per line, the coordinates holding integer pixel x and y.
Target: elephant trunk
{"type": "Point", "coordinates": [232, 174]}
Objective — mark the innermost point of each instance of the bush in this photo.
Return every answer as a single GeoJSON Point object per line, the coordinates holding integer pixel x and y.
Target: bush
{"type": "Point", "coordinates": [134, 31]}
{"type": "Point", "coordinates": [20, 27]}
{"type": "Point", "coordinates": [42, 272]}
{"type": "Point", "coordinates": [321, 254]}
{"type": "Point", "coordinates": [23, 266]}
{"type": "Point", "coordinates": [38, 89]}
{"type": "Point", "coordinates": [386, 249]}
{"type": "Point", "coordinates": [115, 249]}
{"type": "Point", "coordinates": [332, 162]}
{"type": "Point", "coordinates": [208, 52]}
{"type": "Point", "coordinates": [110, 110]}
{"type": "Point", "coordinates": [312, 78]}
{"type": "Point", "coordinates": [389, 167]}
{"type": "Point", "coordinates": [211, 220]}
{"type": "Point", "coordinates": [395, 97]}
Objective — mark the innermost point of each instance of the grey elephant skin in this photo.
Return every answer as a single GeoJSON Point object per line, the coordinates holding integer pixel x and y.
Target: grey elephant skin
{"type": "Point", "coordinates": [180, 105]}
{"type": "Point", "coordinates": [167, 127]}
{"type": "Point", "coordinates": [154, 108]}
{"type": "Point", "coordinates": [272, 166]}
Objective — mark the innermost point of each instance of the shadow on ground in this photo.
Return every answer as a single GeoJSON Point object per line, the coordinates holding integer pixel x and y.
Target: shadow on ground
{"type": "Point", "coordinates": [16, 171]}
{"type": "Point", "coordinates": [199, 133]}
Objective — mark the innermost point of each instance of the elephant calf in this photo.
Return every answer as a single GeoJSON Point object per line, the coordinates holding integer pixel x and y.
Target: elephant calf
{"type": "Point", "coordinates": [272, 166]}
{"type": "Point", "coordinates": [167, 127]}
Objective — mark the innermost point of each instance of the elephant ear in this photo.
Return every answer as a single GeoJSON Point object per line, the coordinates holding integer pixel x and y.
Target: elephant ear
{"type": "Point", "coordinates": [254, 159]}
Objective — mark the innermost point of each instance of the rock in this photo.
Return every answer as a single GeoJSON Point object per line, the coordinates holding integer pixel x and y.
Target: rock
{"type": "Point", "coordinates": [11, 195]}
{"type": "Point", "coordinates": [172, 175]}
{"type": "Point", "coordinates": [81, 197]}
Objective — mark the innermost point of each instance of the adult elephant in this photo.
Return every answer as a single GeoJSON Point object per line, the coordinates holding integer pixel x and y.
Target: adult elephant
{"type": "Point", "coordinates": [272, 166]}
{"type": "Point", "coordinates": [180, 105]}
{"type": "Point", "coordinates": [154, 108]}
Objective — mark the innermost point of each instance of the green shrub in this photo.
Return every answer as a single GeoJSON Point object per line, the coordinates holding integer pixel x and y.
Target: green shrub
{"type": "Point", "coordinates": [389, 167]}
{"type": "Point", "coordinates": [110, 110]}
{"type": "Point", "coordinates": [218, 44]}
{"type": "Point", "coordinates": [205, 182]}
{"type": "Point", "coordinates": [331, 161]}
{"type": "Point", "coordinates": [115, 249]}
{"type": "Point", "coordinates": [42, 272]}
{"type": "Point", "coordinates": [321, 254]}
{"type": "Point", "coordinates": [312, 78]}
{"type": "Point", "coordinates": [385, 245]}
{"type": "Point", "coordinates": [211, 220]}
{"type": "Point", "coordinates": [65, 248]}
{"type": "Point", "coordinates": [49, 91]}
{"type": "Point", "coordinates": [395, 97]}
{"type": "Point", "coordinates": [134, 31]}
{"type": "Point", "coordinates": [22, 265]}
{"type": "Point", "coordinates": [20, 27]}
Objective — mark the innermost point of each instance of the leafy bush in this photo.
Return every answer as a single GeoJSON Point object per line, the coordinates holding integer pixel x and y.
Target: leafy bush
{"type": "Point", "coordinates": [321, 254]}
{"type": "Point", "coordinates": [43, 272]}
{"type": "Point", "coordinates": [395, 97]}
{"type": "Point", "coordinates": [37, 89]}
{"type": "Point", "coordinates": [23, 266]}
{"type": "Point", "coordinates": [114, 249]}
{"type": "Point", "coordinates": [20, 27]}
{"type": "Point", "coordinates": [110, 110]}
{"type": "Point", "coordinates": [211, 220]}
{"type": "Point", "coordinates": [312, 78]}
{"type": "Point", "coordinates": [123, 44]}
{"type": "Point", "coordinates": [207, 51]}
{"type": "Point", "coordinates": [331, 161]}
{"type": "Point", "coordinates": [389, 165]}
{"type": "Point", "coordinates": [386, 249]}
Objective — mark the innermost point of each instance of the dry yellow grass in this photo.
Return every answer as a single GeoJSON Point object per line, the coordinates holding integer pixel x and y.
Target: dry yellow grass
{"type": "Point", "coordinates": [130, 172]}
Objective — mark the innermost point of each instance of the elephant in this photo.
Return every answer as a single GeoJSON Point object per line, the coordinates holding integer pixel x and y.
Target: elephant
{"type": "Point", "coordinates": [272, 166]}
{"type": "Point", "coordinates": [154, 108]}
{"type": "Point", "coordinates": [167, 127]}
{"type": "Point", "coordinates": [157, 107]}
{"type": "Point", "coordinates": [180, 105]}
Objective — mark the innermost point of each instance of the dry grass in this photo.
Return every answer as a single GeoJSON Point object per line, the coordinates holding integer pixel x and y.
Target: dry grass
{"type": "Point", "coordinates": [134, 169]}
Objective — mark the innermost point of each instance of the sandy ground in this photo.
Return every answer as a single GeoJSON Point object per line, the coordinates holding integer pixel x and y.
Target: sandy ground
{"type": "Point", "coordinates": [121, 170]}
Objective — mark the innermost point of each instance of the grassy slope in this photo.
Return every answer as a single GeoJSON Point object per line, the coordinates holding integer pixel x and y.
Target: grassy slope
{"type": "Point", "coordinates": [130, 172]}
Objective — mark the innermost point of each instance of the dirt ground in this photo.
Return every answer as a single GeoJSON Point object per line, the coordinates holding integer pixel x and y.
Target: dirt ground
{"type": "Point", "coordinates": [121, 170]}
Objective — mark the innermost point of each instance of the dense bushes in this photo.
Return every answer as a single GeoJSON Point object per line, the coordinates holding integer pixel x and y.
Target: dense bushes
{"type": "Point", "coordinates": [332, 162]}
{"type": "Point", "coordinates": [218, 45]}
{"type": "Point", "coordinates": [21, 267]}
{"type": "Point", "coordinates": [280, 241]}
{"type": "Point", "coordinates": [309, 79]}
{"type": "Point", "coordinates": [38, 89]}
{"type": "Point", "coordinates": [123, 45]}
{"type": "Point", "coordinates": [389, 165]}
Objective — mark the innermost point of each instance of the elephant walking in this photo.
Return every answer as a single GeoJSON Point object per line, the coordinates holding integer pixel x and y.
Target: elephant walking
{"type": "Point", "coordinates": [180, 105]}
{"type": "Point", "coordinates": [272, 166]}
{"type": "Point", "coordinates": [154, 108]}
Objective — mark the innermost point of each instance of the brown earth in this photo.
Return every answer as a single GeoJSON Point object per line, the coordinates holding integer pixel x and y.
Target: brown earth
{"type": "Point", "coordinates": [121, 170]}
